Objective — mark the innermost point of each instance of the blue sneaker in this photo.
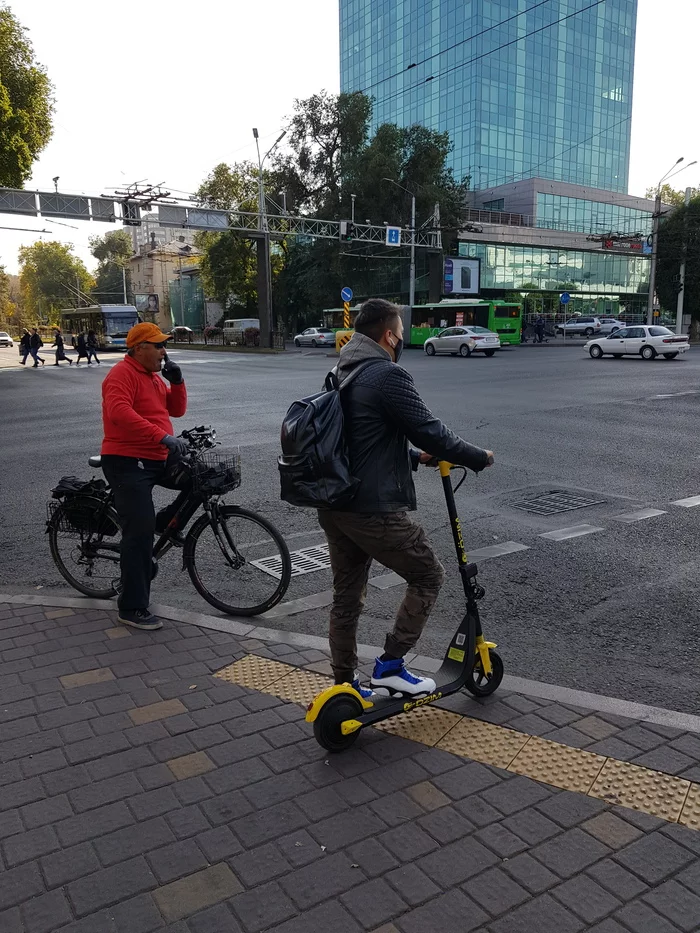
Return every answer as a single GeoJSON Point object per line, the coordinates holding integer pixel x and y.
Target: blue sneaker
{"type": "Point", "coordinates": [364, 692]}
{"type": "Point", "coordinates": [390, 678]}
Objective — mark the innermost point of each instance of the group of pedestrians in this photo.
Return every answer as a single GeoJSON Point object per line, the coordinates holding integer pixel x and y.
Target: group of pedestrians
{"type": "Point", "coordinates": [85, 346]}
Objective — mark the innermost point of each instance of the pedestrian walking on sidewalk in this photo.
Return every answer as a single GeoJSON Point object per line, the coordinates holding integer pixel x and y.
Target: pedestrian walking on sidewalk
{"type": "Point", "coordinates": [25, 346]}
{"type": "Point", "coordinates": [35, 344]}
{"type": "Point", "coordinates": [383, 412]}
{"type": "Point", "coordinates": [81, 347]}
{"type": "Point", "coordinates": [60, 349]}
{"type": "Point", "coordinates": [92, 346]}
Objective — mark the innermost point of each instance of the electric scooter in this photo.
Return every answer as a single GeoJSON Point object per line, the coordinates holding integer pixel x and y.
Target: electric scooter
{"type": "Point", "coordinates": [339, 712]}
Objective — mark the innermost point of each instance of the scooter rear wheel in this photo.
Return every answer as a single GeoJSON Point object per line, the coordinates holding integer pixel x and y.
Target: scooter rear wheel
{"type": "Point", "coordinates": [483, 685]}
{"type": "Point", "coordinates": [327, 724]}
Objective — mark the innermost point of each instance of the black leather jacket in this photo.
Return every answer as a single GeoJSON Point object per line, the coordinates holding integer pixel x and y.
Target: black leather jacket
{"type": "Point", "coordinates": [382, 412]}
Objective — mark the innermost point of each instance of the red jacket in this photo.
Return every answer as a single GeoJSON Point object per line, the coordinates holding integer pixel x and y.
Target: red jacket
{"type": "Point", "coordinates": [136, 409]}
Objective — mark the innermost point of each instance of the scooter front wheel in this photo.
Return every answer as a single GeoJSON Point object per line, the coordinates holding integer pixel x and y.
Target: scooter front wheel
{"type": "Point", "coordinates": [327, 729]}
{"type": "Point", "coordinates": [483, 685]}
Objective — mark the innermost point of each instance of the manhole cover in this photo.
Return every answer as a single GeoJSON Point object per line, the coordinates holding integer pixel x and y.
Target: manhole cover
{"type": "Point", "coordinates": [554, 502]}
{"type": "Point", "coordinates": [306, 560]}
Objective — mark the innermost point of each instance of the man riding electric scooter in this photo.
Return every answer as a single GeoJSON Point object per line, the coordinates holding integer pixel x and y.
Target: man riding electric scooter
{"type": "Point", "coordinates": [382, 412]}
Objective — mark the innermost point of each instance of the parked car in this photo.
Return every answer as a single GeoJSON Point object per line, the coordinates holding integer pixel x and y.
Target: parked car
{"type": "Point", "coordinates": [182, 333]}
{"type": "Point", "coordinates": [589, 326]}
{"type": "Point", "coordinates": [6, 340]}
{"type": "Point", "coordinates": [463, 340]}
{"type": "Point", "coordinates": [608, 325]}
{"type": "Point", "coordinates": [640, 340]}
{"type": "Point", "coordinates": [315, 337]}
{"type": "Point", "coordinates": [235, 328]}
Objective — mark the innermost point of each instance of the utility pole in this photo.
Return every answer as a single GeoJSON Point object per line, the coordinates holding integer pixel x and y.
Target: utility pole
{"type": "Point", "coordinates": [124, 284]}
{"type": "Point", "coordinates": [263, 250]}
{"type": "Point", "coordinates": [681, 278]}
{"type": "Point", "coordinates": [654, 255]}
{"type": "Point", "coordinates": [412, 278]}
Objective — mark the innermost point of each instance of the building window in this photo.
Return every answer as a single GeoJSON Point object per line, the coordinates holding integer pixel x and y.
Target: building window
{"type": "Point", "coordinates": [498, 204]}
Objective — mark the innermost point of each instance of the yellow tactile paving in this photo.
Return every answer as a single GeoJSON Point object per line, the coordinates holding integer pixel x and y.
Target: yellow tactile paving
{"type": "Point", "coordinates": [299, 686]}
{"type": "Point", "coordinates": [627, 785]}
{"type": "Point", "coordinates": [482, 741]}
{"type": "Point", "coordinates": [690, 814]}
{"type": "Point", "coordinates": [426, 725]}
{"type": "Point", "coordinates": [561, 765]}
{"type": "Point", "coordinates": [662, 795]}
{"type": "Point", "coordinates": [254, 672]}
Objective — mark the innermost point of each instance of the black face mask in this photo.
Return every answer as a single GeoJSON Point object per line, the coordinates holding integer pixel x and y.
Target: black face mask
{"type": "Point", "coordinates": [398, 349]}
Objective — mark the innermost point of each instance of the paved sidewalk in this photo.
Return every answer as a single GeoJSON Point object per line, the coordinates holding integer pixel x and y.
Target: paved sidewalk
{"type": "Point", "coordinates": [141, 793]}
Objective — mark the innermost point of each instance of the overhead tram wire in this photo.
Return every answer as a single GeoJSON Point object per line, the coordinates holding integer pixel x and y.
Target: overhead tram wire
{"type": "Point", "coordinates": [450, 48]}
{"type": "Point", "coordinates": [499, 48]}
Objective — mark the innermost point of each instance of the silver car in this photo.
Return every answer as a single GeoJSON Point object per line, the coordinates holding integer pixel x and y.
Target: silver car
{"type": "Point", "coordinates": [463, 340]}
{"type": "Point", "coordinates": [315, 337]}
{"type": "Point", "coordinates": [6, 340]}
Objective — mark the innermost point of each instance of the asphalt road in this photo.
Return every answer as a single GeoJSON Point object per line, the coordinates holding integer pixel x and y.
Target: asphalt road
{"type": "Point", "coordinates": [614, 611]}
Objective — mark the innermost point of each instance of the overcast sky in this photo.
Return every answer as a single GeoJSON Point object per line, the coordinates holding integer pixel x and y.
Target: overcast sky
{"type": "Point", "coordinates": [163, 90]}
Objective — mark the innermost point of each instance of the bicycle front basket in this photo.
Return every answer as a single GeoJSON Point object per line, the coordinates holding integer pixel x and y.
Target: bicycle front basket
{"type": "Point", "coordinates": [215, 473]}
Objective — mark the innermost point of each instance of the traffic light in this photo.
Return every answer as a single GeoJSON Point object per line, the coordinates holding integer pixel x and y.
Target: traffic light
{"type": "Point", "coordinates": [347, 231]}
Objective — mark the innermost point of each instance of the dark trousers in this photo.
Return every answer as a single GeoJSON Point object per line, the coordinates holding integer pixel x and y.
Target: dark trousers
{"type": "Point", "coordinates": [397, 542]}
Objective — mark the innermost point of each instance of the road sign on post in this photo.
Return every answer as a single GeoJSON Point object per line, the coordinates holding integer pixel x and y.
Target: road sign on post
{"type": "Point", "coordinates": [565, 298]}
{"type": "Point", "coordinates": [346, 295]}
{"type": "Point", "coordinates": [393, 236]}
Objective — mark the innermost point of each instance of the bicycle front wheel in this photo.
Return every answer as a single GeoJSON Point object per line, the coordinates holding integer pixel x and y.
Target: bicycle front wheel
{"type": "Point", "coordinates": [85, 556]}
{"type": "Point", "coordinates": [239, 562]}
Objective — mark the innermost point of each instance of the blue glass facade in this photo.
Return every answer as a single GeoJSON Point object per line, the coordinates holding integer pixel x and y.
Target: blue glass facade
{"type": "Point", "coordinates": [519, 97]}
{"type": "Point", "coordinates": [557, 212]}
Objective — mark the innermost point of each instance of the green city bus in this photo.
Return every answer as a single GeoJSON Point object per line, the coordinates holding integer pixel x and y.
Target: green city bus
{"type": "Point", "coordinates": [502, 317]}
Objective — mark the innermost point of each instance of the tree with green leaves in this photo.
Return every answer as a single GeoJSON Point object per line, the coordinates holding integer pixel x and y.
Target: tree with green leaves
{"type": "Point", "coordinates": [112, 252]}
{"type": "Point", "coordinates": [669, 195]}
{"type": "Point", "coordinates": [679, 231]}
{"type": "Point", "coordinates": [52, 278]}
{"type": "Point", "coordinates": [26, 103]}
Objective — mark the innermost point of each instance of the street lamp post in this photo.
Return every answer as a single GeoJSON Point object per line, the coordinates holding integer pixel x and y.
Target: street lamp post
{"type": "Point", "coordinates": [263, 247]}
{"type": "Point", "coordinates": [655, 235]}
{"type": "Point", "coordinates": [412, 274]}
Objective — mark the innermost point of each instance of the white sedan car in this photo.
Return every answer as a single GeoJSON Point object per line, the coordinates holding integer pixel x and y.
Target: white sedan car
{"type": "Point", "coordinates": [463, 340]}
{"type": "Point", "coordinates": [6, 340]}
{"type": "Point", "coordinates": [640, 340]}
{"type": "Point", "coordinates": [315, 337]}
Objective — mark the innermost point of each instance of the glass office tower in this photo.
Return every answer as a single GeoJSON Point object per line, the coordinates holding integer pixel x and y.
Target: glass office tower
{"type": "Point", "coordinates": [524, 88]}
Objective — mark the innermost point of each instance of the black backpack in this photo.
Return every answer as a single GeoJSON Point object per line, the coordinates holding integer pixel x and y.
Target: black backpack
{"type": "Point", "coordinates": [315, 464]}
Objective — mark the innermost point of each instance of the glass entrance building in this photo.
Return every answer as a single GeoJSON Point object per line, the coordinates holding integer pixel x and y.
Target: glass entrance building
{"type": "Point", "coordinates": [524, 89]}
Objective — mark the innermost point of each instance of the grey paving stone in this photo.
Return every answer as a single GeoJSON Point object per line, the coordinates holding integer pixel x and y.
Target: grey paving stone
{"type": "Point", "coordinates": [666, 759]}
{"type": "Point", "coordinates": [46, 811]}
{"type": "Point", "coordinates": [197, 891]}
{"type": "Point", "coordinates": [644, 821]}
{"type": "Point", "coordinates": [620, 882]}
{"type": "Point", "coordinates": [596, 727]}
{"type": "Point", "coordinates": [299, 848]}
{"type": "Point", "coordinates": [176, 860]}
{"type": "Point", "coordinates": [395, 809]}
{"type": "Point", "coordinates": [501, 840]}
{"type": "Point", "coordinates": [153, 803]}
{"type": "Point", "coordinates": [435, 761]}
{"type": "Point", "coordinates": [531, 826]}
{"type": "Point", "coordinates": [46, 913]}
{"type": "Point", "coordinates": [217, 919]}
{"type": "Point", "coordinates": [110, 886]}
{"type": "Point", "coordinates": [20, 793]}
{"type": "Point", "coordinates": [373, 903]}
{"type": "Point", "coordinates": [477, 811]}
{"type": "Point", "coordinates": [640, 918]}
{"type": "Point", "coordinates": [611, 830]}
{"type": "Point", "coordinates": [218, 844]}
{"type": "Point", "coordinates": [395, 776]}
{"type": "Point", "coordinates": [654, 857]}
{"type": "Point", "coordinates": [466, 780]}
{"type": "Point", "coordinates": [260, 827]}
{"type": "Point", "coordinates": [187, 822]}
{"type": "Point", "coordinates": [127, 761]}
{"type": "Point", "coordinates": [328, 916]}
{"type": "Point", "coordinates": [677, 904]}
{"type": "Point", "coordinates": [30, 845]}
{"type": "Point", "coordinates": [408, 842]}
{"type": "Point", "coordinates": [453, 912]}
{"type": "Point", "coordinates": [691, 877]}
{"type": "Point", "coordinates": [608, 926]}
{"type": "Point", "coordinates": [18, 885]}
{"type": "Point", "coordinates": [569, 809]}
{"type": "Point", "coordinates": [446, 824]}
{"type": "Point", "coordinates": [259, 909]}
{"type": "Point", "coordinates": [100, 793]}
{"type": "Point", "coordinates": [530, 873]}
{"type": "Point", "coordinates": [690, 838]}
{"type": "Point", "coordinates": [496, 892]}
{"type": "Point", "coordinates": [325, 878]}
{"type": "Point", "coordinates": [412, 884]}
{"type": "Point", "coordinates": [355, 792]}
{"type": "Point", "coordinates": [276, 788]}
{"type": "Point", "coordinates": [689, 744]}
{"type": "Point", "coordinates": [260, 865]}
{"type": "Point", "coordinates": [192, 790]}
{"type": "Point", "coordinates": [348, 827]}
{"type": "Point", "coordinates": [11, 921]}
{"type": "Point", "coordinates": [58, 782]}
{"type": "Point", "coordinates": [543, 914]}
{"type": "Point", "coordinates": [641, 738]}
{"type": "Point", "coordinates": [586, 898]}
{"type": "Point", "coordinates": [87, 749]}
{"type": "Point", "coordinates": [455, 863]}
{"type": "Point", "coordinates": [69, 864]}
{"type": "Point", "coordinates": [126, 843]}
{"type": "Point", "coordinates": [51, 760]}
{"type": "Point", "coordinates": [225, 809]}
{"type": "Point", "coordinates": [515, 794]}
{"type": "Point", "coordinates": [570, 853]}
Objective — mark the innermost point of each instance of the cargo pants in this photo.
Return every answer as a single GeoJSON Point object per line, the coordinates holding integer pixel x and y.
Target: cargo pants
{"type": "Point", "coordinates": [394, 540]}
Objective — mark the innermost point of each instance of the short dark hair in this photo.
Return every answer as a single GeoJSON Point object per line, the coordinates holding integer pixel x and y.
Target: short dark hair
{"type": "Point", "coordinates": [376, 316]}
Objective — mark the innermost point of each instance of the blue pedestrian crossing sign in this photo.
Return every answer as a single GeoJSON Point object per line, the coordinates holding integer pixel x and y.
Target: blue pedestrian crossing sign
{"type": "Point", "coordinates": [346, 294]}
{"type": "Point", "coordinates": [565, 298]}
{"type": "Point", "coordinates": [393, 236]}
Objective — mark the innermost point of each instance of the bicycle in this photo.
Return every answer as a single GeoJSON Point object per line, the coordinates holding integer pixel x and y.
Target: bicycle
{"type": "Point", "coordinates": [237, 560]}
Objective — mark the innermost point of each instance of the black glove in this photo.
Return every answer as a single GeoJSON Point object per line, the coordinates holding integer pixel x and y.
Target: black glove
{"type": "Point", "coordinates": [176, 444]}
{"type": "Point", "coordinates": [171, 371]}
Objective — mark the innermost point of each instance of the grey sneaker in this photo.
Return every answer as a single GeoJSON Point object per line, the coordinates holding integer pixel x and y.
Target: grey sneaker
{"type": "Point", "coordinates": [140, 618]}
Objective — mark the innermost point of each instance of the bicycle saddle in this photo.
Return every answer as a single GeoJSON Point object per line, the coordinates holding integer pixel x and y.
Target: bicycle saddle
{"type": "Point", "coordinates": [95, 462]}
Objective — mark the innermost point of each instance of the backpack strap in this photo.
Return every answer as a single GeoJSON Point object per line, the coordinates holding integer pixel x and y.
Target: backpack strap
{"type": "Point", "coordinates": [332, 381]}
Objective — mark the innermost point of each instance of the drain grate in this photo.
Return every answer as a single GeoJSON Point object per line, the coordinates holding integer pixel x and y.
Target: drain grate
{"type": "Point", "coordinates": [306, 560]}
{"type": "Point", "coordinates": [552, 503]}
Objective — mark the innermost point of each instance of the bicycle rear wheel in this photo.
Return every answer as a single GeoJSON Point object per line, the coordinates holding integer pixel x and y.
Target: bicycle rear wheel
{"type": "Point", "coordinates": [86, 557]}
{"type": "Point", "coordinates": [241, 565]}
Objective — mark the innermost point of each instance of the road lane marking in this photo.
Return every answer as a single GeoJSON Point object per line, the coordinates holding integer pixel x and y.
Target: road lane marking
{"type": "Point", "coordinates": [575, 531]}
{"type": "Point", "coordinates": [690, 503]}
{"type": "Point", "coordinates": [629, 517]}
